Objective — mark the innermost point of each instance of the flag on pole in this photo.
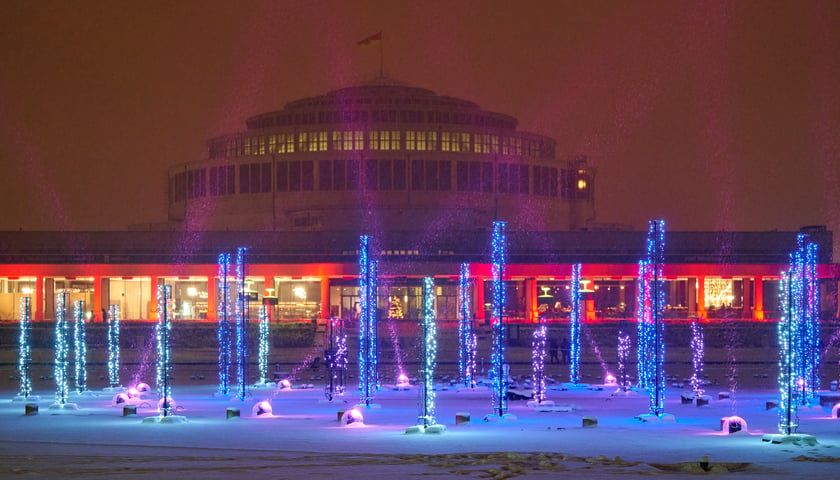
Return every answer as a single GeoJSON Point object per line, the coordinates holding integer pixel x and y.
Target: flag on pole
{"type": "Point", "coordinates": [367, 40]}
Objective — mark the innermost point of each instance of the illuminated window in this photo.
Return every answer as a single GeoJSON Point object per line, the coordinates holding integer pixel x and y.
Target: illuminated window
{"type": "Point", "coordinates": [247, 145]}
{"type": "Point", "coordinates": [314, 141]}
{"type": "Point", "coordinates": [411, 140]}
{"type": "Point", "coordinates": [384, 142]}
{"type": "Point", "coordinates": [421, 141]}
{"type": "Point", "coordinates": [456, 142]}
{"type": "Point", "coordinates": [262, 145]}
{"type": "Point", "coordinates": [322, 141]}
{"type": "Point", "coordinates": [445, 143]}
{"type": "Point", "coordinates": [485, 143]}
{"type": "Point", "coordinates": [303, 143]}
{"type": "Point", "coordinates": [286, 143]}
{"type": "Point", "coordinates": [348, 140]}
{"type": "Point", "coordinates": [719, 292]}
{"type": "Point", "coordinates": [479, 142]}
{"type": "Point", "coordinates": [464, 143]}
{"type": "Point", "coordinates": [358, 140]}
{"type": "Point", "coordinates": [272, 144]}
{"type": "Point", "coordinates": [431, 141]}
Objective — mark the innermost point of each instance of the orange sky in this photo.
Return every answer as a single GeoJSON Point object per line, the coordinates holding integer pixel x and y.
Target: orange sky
{"type": "Point", "coordinates": [711, 115]}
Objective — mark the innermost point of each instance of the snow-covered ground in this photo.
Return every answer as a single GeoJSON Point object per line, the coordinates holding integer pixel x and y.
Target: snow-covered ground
{"type": "Point", "coordinates": [304, 439]}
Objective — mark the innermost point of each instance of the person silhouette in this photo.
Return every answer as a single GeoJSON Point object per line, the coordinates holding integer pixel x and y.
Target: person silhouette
{"type": "Point", "coordinates": [564, 347]}
{"type": "Point", "coordinates": [552, 351]}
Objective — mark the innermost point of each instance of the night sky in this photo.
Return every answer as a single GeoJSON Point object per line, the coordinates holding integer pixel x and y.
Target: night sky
{"type": "Point", "coordinates": [711, 115]}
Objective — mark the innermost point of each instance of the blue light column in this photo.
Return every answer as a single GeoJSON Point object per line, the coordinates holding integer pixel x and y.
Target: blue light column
{"type": "Point", "coordinates": [25, 348]}
{"type": "Point", "coordinates": [428, 354]}
{"type": "Point", "coordinates": [789, 395]}
{"type": "Point", "coordinates": [336, 359]}
{"type": "Point", "coordinates": [264, 344]}
{"type": "Point", "coordinates": [368, 328]}
{"type": "Point", "coordinates": [538, 360]}
{"type": "Point", "coordinates": [62, 391]}
{"type": "Point", "coordinates": [224, 330]}
{"type": "Point", "coordinates": [163, 331]}
{"type": "Point", "coordinates": [697, 349]}
{"type": "Point", "coordinates": [651, 302]}
{"type": "Point", "coordinates": [575, 325]}
{"type": "Point", "coordinates": [499, 249]}
{"type": "Point", "coordinates": [114, 346]}
{"type": "Point", "coordinates": [466, 336]}
{"type": "Point", "coordinates": [80, 345]}
{"type": "Point", "coordinates": [241, 314]}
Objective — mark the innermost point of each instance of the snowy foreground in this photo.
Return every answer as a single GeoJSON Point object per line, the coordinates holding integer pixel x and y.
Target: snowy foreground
{"type": "Point", "coordinates": [304, 439]}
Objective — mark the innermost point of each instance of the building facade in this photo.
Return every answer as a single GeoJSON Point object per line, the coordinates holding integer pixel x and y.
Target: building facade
{"type": "Point", "coordinates": [425, 176]}
{"type": "Point", "coordinates": [315, 276]}
{"type": "Point", "coordinates": [386, 157]}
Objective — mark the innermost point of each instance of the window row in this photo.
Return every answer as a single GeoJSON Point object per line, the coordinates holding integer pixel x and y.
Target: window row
{"type": "Point", "coordinates": [359, 140]}
{"type": "Point", "coordinates": [384, 116]}
{"type": "Point", "coordinates": [382, 174]}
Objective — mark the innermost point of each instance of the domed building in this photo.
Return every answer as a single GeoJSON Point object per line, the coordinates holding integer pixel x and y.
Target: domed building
{"type": "Point", "coordinates": [425, 176]}
{"type": "Point", "coordinates": [383, 157]}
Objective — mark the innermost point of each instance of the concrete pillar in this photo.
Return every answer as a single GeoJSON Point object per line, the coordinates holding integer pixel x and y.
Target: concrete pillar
{"type": "Point", "coordinates": [100, 289]}
{"type": "Point", "coordinates": [691, 296]}
{"type": "Point", "coordinates": [747, 312]}
{"type": "Point", "coordinates": [153, 285]}
{"type": "Point", "coordinates": [478, 298]}
{"type": "Point", "coordinates": [325, 298]}
{"type": "Point", "coordinates": [38, 306]}
{"type": "Point", "coordinates": [531, 308]}
{"type": "Point", "coordinates": [49, 298]}
{"type": "Point", "coordinates": [588, 298]}
{"type": "Point", "coordinates": [212, 301]}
